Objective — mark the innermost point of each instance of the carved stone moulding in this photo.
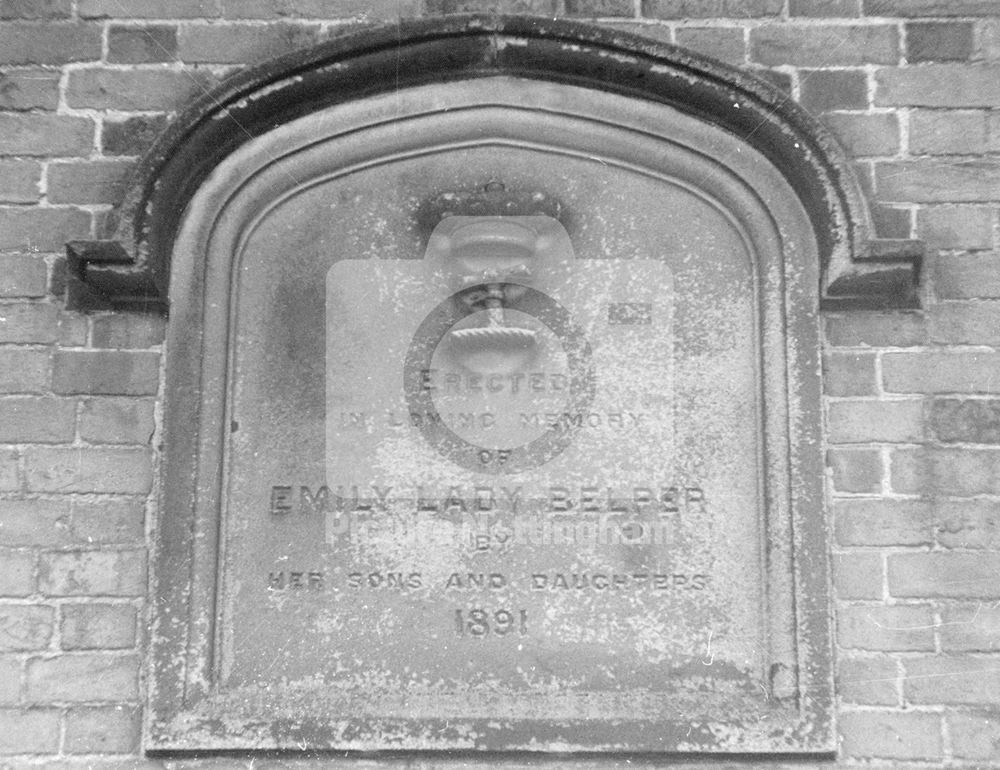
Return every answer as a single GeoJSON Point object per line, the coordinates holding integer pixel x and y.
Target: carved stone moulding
{"type": "Point", "coordinates": [130, 265]}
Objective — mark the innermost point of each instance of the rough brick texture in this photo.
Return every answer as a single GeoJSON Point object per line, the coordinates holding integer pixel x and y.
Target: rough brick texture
{"type": "Point", "coordinates": [142, 45]}
{"type": "Point", "coordinates": [821, 91]}
{"type": "Point", "coordinates": [834, 45]}
{"type": "Point", "coordinates": [939, 41]}
{"type": "Point", "coordinates": [83, 677]}
{"type": "Point", "coordinates": [92, 573]}
{"type": "Point", "coordinates": [911, 399]}
{"type": "Point", "coordinates": [49, 42]}
{"type": "Point", "coordinates": [97, 626]}
{"type": "Point", "coordinates": [888, 735]}
{"type": "Point", "coordinates": [106, 372]}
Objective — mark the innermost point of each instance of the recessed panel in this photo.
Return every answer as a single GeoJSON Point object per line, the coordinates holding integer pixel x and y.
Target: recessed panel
{"type": "Point", "coordinates": [543, 509]}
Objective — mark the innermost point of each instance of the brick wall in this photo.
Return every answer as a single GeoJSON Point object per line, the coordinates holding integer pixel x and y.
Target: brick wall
{"type": "Point", "coordinates": [911, 87]}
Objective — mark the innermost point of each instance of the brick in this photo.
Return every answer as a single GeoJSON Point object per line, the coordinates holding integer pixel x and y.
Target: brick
{"type": "Point", "coordinates": [849, 374]}
{"type": "Point", "coordinates": [29, 89]}
{"type": "Point", "coordinates": [890, 735]}
{"type": "Point", "coordinates": [707, 9]}
{"type": "Point", "coordinates": [372, 10]}
{"type": "Point", "coordinates": [970, 627]}
{"type": "Point", "coordinates": [935, 181]}
{"type": "Point", "coordinates": [35, 9]}
{"type": "Point", "coordinates": [132, 136]}
{"type": "Point", "coordinates": [237, 43]}
{"type": "Point", "coordinates": [10, 679]}
{"type": "Point", "coordinates": [867, 680]}
{"type": "Point", "coordinates": [722, 43]}
{"type": "Point", "coordinates": [821, 91]}
{"type": "Point", "coordinates": [988, 40]}
{"type": "Point", "coordinates": [9, 476]}
{"type": "Point", "coordinates": [974, 735]}
{"type": "Point", "coordinates": [17, 573]}
{"type": "Point", "coordinates": [907, 628]}
{"type": "Point", "coordinates": [834, 45]}
{"type": "Point", "coordinates": [44, 134]}
{"type": "Point", "coordinates": [88, 182]}
{"type": "Point", "coordinates": [142, 45]}
{"type": "Point", "coordinates": [19, 181]}
{"type": "Point", "coordinates": [91, 469]}
{"type": "Point", "coordinates": [441, 7]}
{"type": "Point", "coordinates": [102, 730]}
{"type": "Point", "coordinates": [966, 276]}
{"type": "Point", "coordinates": [939, 41]}
{"type": "Point", "coordinates": [29, 731]}
{"type": "Point", "coordinates": [23, 371]}
{"type": "Point", "coordinates": [49, 42]}
{"type": "Point", "coordinates": [128, 330]}
{"type": "Point", "coordinates": [97, 626]}
{"type": "Point", "coordinates": [149, 9]}
{"type": "Point", "coordinates": [36, 420]}
{"type": "Point", "coordinates": [139, 89]}
{"type": "Point", "coordinates": [876, 329]}
{"type": "Point", "coordinates": [864, 173]}
{"type": "Point", "coordinates": [993, 131]}
{"type": "Point", "coordinates": [853, 422]}
{"type": "Point", "coordinates": [41, 229]}
{"type": "Point", "coordinates": [24, 627]}
{"type": "Point", "coordinates": [941, 372]}
{"type": "Point", "coordinates": [968, 524]}
{"type": "Point", "coordinates": [83, 677]}
{"type": "Point", "coordinates": [780, 80]}
{"type": "Point", "coordinates": [974, 421]}
{"type": "Point", "coordinates": [824, 8]}
{"type": "Point", "coordinates": [953, 575]}
{"type": "Point", "coordinates": [956, 227]}
{"type": "Point", "coordinates": [883, 522]}
{"type": "Point", "coordinates": [72, 330]}
{"type": "Point", "coordinates": [918, 8]}
{"type": "Point", "coordinates": [22, 275]}
{"type": "Point", "coordinates": [117, 421]}
{"type": "Point", "coordinates": [34, 522]}
{"type": "Point", "coordinates": [106, 372]}
{"type": "Point", "coordinates": [865, 135]}
{"type": "Point", "coordinates": [959, 472]}
{"type": "Point", "coordinates": [952, 679]}
{"type": "Point", "coordinates": [856, 470]}
{"type": "Point", "coordinates": [28, 322]}
{"type": "Point", "coordinates": [93, 573]}
{"type": "Point", "coordinates": [938, 85]}
{"type": "Point", "coordinates": [965, 323]}
{"type": "Point", "coordinates": [600, 8]}
{"type": "Point", "coordinates": [116, 520]}
{"type": "Point", "coordinates": [857, 575]}
{"type": "Point", "coordinates": [948, 132]}
{"type": "Point", "coordinates": [891, 222]}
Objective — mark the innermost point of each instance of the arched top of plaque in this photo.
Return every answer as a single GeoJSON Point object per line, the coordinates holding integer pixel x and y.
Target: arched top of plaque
{"type": "Point", "coordinates": [131, 264]}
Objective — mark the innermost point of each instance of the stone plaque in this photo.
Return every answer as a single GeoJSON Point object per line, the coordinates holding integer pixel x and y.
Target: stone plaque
{"type": "Point", "coordinates": [513, 431]}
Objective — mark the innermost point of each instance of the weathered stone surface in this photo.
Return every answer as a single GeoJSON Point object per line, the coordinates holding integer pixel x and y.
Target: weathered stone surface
{"type": "Point", "coordinates": [427, 456]}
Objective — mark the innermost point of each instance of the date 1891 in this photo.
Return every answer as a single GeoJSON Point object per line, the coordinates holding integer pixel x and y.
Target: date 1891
{"type": "Point", "coordinates": [479, 623]}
